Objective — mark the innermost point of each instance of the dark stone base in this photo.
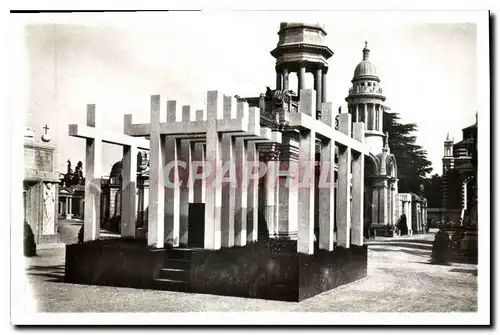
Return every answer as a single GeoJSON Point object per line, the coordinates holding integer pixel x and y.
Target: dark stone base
{"type": "Point", "coordinates": [266, 270]}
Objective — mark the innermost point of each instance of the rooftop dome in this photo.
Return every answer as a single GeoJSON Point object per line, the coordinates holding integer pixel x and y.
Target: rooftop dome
{"type": "Point", "coordinates": [365, 68]}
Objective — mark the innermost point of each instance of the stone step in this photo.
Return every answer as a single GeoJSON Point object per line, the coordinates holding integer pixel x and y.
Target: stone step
{"type": "Point", "coordinates": [178, 264]}
{"type": "Point", "coordinates": [174, 274]}
{"type": "Point", "coordinates": [170, 285]}
{"type": "Point", "coordinates": [402, 244]}
{"type": "Point", "coordinates": [179, 253]}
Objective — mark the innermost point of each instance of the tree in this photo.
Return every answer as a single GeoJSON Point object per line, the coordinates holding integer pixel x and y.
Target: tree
{"type": "Point", "coordinates": [432, 191]}
{"type": "Point", "coordinates": [411, 157]}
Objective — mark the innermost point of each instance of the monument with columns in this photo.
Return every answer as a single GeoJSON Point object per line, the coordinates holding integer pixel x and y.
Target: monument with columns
{"type": "Point", "coordinates": [219, 175]}
{"type": "Point", "coordinates": [366, 104]}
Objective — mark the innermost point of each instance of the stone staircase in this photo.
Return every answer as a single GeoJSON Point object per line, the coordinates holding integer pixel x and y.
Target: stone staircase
{"type": "Point", "coordinates": [174, 276]}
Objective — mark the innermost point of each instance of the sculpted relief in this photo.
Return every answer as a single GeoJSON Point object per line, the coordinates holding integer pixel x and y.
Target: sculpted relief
{"type": "Point", "coordinates": [48, 209]}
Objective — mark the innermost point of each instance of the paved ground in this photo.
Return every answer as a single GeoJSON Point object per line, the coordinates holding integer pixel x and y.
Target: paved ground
{"type": "Point", "coordinates": [400, 279]}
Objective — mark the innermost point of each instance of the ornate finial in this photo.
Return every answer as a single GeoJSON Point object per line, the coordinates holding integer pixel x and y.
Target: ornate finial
{"type": "Point", "coordinates": [46, 137]}
{"type": "Point", "coordinates": [366, 51]}
{"type": "Point", "coordinates": [476, 117]}
{"type": "Point", "coordinates": [448, 136]}
{"type": "Point", "coordinates": [340, 109]}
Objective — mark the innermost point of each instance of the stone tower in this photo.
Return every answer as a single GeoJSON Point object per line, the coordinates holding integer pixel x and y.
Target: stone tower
{"type": "Point", "coordinates": [366, 102]}
{"type": "Point", "coordinates": [448, 164]}
{"type": "Point", "coordinates": [301, 49]}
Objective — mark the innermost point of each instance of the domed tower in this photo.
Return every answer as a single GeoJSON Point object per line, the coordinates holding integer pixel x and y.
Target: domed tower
{"type": "Point", "coordinates": [301, 49]}
{"type": "Point", "coordinates": [366, 102]}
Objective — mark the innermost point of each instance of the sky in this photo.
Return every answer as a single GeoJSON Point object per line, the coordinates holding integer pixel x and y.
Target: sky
{"type": "Point", "coordinates": [428, 70]}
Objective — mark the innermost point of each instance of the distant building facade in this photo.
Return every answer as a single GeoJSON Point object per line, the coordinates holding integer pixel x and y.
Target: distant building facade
{"type": "Point", "coordinates": [459, 181]}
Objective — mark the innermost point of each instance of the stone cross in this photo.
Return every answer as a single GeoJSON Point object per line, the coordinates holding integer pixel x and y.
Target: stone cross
{"type": "Point", "coordinates": [46, 128]}
{"type": "Point", "coordinates": [94, 138]}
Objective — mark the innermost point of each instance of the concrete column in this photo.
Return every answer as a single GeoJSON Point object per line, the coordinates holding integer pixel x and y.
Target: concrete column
{"type": "Point", "coordinates": [66, 206]}
{"type": "Point", "coordinates": [288, 189]}
{"type": "Point", "coordinates": [241, 197]}
{"type": "Point", "coordinates": [357, 114]}
{"type": "Point", "coordinates": [326, 185]}
{"type": "Point", "coordinates": [129, 191]}
{"type": "Point", "coordinates": [228, 175]}
{"type": "Point", "coordinates": [186, 189]}
{"type": "Point", "coordinates": [197, 170]}
{"type": "Point", "coordinates": [156, 218]}
{"type": "Point", "coordinates": [172, 187]}
{"type": "Point", "coordinates": [271, 186]}
{"type": "Point", "coordinates": [358, 182]}
{"type": "Point", "coordinates": [279, 80]}
{"type": "Point", "coordinates": [301, 76]}
{"type": "Point", "coordinates": [213, 186]}
{"type": "Point", "coordinates": [307, 153]}
{"type": "Point", "coordinates": [323, 87]}
{"type": "Point", "coordinates": [344, 187]}
{"type": "Point", "coordinates": [375, 202]}
{"type": "Point", "coordinates": [228, 191]}
{"type": "Point", "coordinates": [199, 183]}
{"type": "Point", "coordinates": [285, 80]}
{"type": "Point", "coordinates": [306, 190]}
{"type": "Point", "coordinates": [253, 190]}
{"type": "Point", "coordinates": [93, 156]}
{"type": "Point", "coordinates": [319, 90]}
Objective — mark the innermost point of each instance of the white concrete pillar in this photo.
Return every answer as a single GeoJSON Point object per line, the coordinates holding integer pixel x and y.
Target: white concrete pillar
{"type": "Point", "coordinates": [344, 187]}
{"type": "Point", "coordinates": [253, 189]}
{"type": "Point", "coordinates": [129, 192]}
{"type": "Point", "coordinates": [326, 184]}
{"type": "Point", "coordinates": [358, 183]}
{"type": "Point", "coordinates": [228, 175]}
{"type": "Point", "coordinates": [213, 185]}
{"type": "Point", "coordinates": [241, 196]}
{"type": "Point", "coordinates": [156, 219]}
{"type": "Point", "coordinates": [307, 156]}
{"type": "Point", "coordinates": [172, 188]}
{"type": "Point", "coordinates": [186, 190]}
{"type": "Point", "coordinates": [199, 183]}
{"type": "Point", "coordinates": [93, 156]}
{"type": "Point", "coordinates": [271, 186]}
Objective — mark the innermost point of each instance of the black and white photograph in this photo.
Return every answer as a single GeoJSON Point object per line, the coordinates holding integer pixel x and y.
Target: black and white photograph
{"type": "Point", "coordinates": [183, 163]}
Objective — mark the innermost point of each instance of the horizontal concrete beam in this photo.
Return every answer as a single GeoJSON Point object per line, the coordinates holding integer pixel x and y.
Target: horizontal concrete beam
{"type": "Point", "coordinates": [81, 131]}
{"type": "Point", "coordinates": [306, 122]}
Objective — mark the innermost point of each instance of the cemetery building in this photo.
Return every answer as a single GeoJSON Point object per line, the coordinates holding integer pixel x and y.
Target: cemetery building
{"type": "Point", "coordinates": [459, 180]}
